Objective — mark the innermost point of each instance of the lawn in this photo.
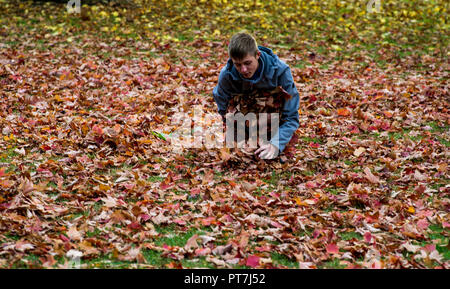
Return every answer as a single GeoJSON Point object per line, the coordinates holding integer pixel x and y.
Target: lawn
{"type": "Point", "coordinates": [87, 99]}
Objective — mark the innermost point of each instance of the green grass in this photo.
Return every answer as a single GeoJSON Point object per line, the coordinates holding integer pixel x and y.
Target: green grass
{"type": "Point", "coordinates": [172, 237]}
{"type": "Point", "coordinates": [313, 140]}
{"type": "Point", "coordinates": [332, 264]}
{"type": "Point", "coordinates": [334, 191]}
{"type": "Point", "coordinates": [350, 235]}
{"type": "Point", "coordinates": [155, 179]}
{"type": "Point", "coordinates": [8, 155]}
{"type": "Point", "coordinates": [154, 258]}
{"type": "Point", "coordinates": [279, 259]}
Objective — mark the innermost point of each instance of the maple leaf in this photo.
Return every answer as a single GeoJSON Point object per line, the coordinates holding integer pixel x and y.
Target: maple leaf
{"type": "Point", "coordinates": [359, 151]}
{"type": "Point", "coordinates": [332, 248]}
{"type": "Point", "coordinates": [26, 186]}
{"type": "Point", "coordinates": [372, 178]}
{"type": "Point", "coordinates": [85, 144]}
{"type": "Point", "coordinates": [253, 261]}
{"type": "Point", "coordinates": [191, 243]}
{"type": "Point", "coordinates": [343, 112]}
{"type": "Point", "coordinates": [73, 233]}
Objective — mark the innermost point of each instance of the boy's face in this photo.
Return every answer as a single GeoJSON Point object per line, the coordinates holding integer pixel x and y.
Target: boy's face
{"type": "Point", "coordinates": [248, 65]}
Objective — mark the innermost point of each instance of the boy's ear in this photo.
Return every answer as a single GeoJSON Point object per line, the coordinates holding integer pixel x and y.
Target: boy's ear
{"type": "Point", "coordinates": [258, 54]}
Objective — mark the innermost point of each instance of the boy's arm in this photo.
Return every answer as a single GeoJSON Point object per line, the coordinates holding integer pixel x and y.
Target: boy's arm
{"type": "Point", "coordinates": [289, 113]}
{"type": "Point", "coordinates": [222, 93]}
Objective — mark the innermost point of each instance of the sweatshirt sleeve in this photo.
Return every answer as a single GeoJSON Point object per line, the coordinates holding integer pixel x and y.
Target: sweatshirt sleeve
{"type": "Point", "coordinates": [222, 92]}
{"type": "Point", "coordinates": [289, 112]}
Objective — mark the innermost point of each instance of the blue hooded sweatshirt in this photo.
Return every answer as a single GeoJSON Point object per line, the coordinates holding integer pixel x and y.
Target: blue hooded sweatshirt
{"type": "Point", "coordinates": [274, 72]}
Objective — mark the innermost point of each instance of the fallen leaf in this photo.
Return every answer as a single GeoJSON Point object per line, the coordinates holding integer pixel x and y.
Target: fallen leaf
{"type": "Point", "coordinates": [191, 243]}
{"type": "Point", "coordinates": [359, 151]}
{"type": "Point", "coordinates": [343, 112]}
{"type": "Point", "coordinates": [420, 177]}
{"type": "Point", "coordinates": [73, 233]}
{"type": "Point", "coordinates": [372, 178]}
{"type": "Point", "coordinates": [332, 248]}
{"type": "Point", "coordinates": [252, 261]}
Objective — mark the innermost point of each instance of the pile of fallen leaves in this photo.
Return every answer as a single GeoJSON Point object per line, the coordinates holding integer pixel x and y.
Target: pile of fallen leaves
{"type": "Point", "coordinates": [86, 172]}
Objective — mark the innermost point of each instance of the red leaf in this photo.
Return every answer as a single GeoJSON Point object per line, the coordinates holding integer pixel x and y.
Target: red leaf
{"type": "Point", "coordinates": [134, 226]}
{"type": "Point", "coordinates": [311, 185]}
{"type": "Point", "coordinates": [264, 248]}
{"type": "Point", "coordinates": [64, 238]}
{"type": "Point", "coordinates": [180, 222]}
{"type": "Point", "coordinates": [252, 261]}
{"type": "Point", "coordinates": [97, 129]}
{"type": "Point", "coordinates": [202, 252]}
{"type": "Point", "coordinates": [367, 237]}
{"type": "Point", "coordinates": [422, 224]}
{"type": "Point", "coordinates": [195, 192]}
{"type": "Point", "coordinates": [429, 248]}
{"type": "Point", "coordinates": [332, 248]}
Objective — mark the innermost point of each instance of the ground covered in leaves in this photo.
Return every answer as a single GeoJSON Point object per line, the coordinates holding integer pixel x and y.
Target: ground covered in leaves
{"type": "Point", "coordinates": [86, 173]}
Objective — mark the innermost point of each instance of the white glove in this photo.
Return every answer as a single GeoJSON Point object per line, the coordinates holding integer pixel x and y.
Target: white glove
{"type": "Point", "coordinates": [267, 151]}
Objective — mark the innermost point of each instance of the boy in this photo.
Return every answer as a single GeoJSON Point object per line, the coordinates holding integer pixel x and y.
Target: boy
{"type": "Point", "coordinates": [254, 74]}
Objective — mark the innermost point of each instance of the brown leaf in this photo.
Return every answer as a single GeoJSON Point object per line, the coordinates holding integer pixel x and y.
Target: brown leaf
{"type": "Point", "coordinates": [222, 250]}
{"type": "Point", "coordinates": [26, 186]}
{"type": "Point", "coordinates": [243, 239]}
{"type": "Point", "coordinates": [359, 151]}
{"type": "Point", "coordinates": [372, 178]}
{"type": "Point", "coordinates": [249, 187]}
{"type": "Point", "coordinates": [73, 233]}
{"type": "Point", "coordinates": [420, 177]}
{"type": "Point", "coordinates": [225, 154]}
{"type": "Point", "coordinates": [191, 243]}
{"type": "Point", "coordinates": [88, 249]}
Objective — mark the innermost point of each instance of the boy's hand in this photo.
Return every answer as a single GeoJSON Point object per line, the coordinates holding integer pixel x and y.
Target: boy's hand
{"type": "Point", "coordinates": [267, 151]}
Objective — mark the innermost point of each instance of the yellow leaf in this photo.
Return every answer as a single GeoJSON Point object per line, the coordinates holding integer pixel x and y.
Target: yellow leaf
{"type": "Point", "coordinates": [335, 47]}
{"type": "Point", "coordinates": [104, 188]}
{"type": "Point", "coordinates": [300, 202]}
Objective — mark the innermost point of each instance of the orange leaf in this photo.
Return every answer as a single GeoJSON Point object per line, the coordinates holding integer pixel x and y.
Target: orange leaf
{"type": "Point", "coordinates": [343, 112]}
{"type": "Point", "coordinates": [387, 114]}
